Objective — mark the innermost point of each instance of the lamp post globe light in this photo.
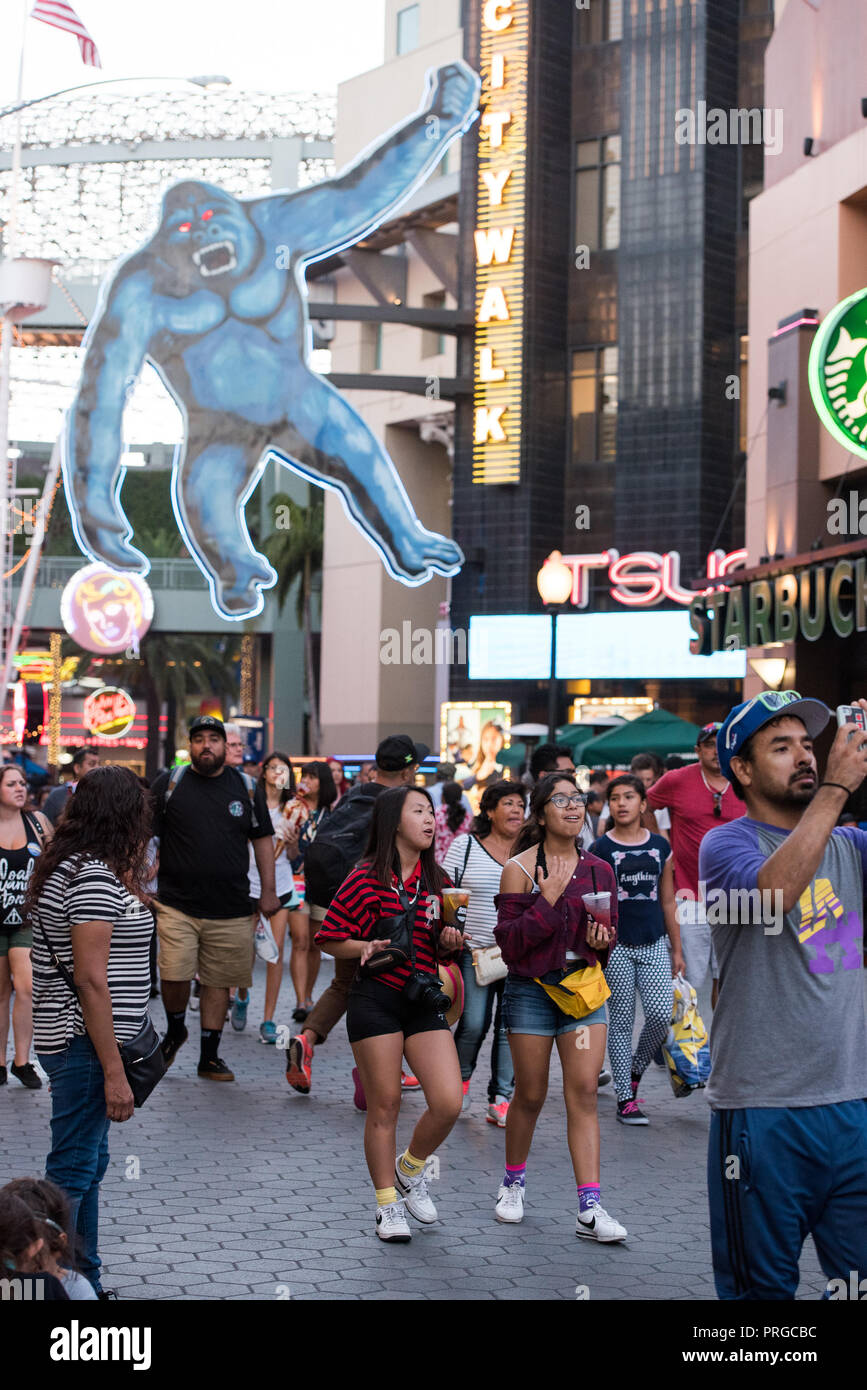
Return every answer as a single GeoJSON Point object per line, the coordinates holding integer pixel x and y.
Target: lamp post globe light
{"type": "Point", "coordinates": [554, 583]}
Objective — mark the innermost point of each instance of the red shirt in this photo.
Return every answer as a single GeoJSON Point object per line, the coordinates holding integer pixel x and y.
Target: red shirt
{"type": "Point", "coordinates": [691, 803]}
{"type": "Point", "coordinates": [359, 903]}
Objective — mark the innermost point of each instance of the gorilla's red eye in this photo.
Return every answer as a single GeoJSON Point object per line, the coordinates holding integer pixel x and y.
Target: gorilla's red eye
{"type": "Point", "coordinates": [184, 226]}
{"type": "Point", "coordinates": [207, 214]}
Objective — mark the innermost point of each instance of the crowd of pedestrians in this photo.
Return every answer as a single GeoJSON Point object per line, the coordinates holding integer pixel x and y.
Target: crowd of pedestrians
{"type": "Point", "coordinates": [540, 919]}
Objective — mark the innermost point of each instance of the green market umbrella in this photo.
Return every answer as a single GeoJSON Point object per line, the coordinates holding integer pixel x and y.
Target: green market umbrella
{"type": "Point", "coordinates": [656, 732]}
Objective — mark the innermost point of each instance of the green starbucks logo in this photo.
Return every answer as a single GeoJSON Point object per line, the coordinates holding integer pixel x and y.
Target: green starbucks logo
{"type": "Point", "coordinates": [838, 373]}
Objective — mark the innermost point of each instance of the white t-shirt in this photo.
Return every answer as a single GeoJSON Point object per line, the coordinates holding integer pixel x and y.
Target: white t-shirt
{"type": "Point", "coordinates": [482, 877]}
{"type": "Point", "coordinates": [284, 881]}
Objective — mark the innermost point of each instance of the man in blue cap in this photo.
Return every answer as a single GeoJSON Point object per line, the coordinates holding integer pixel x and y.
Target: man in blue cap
{"type": "Point", "coordinates": [785, 899]}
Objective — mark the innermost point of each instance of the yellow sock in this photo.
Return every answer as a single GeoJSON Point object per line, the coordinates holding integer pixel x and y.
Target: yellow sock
{"type": "Point", "coordinates": [385, 1196]}
{"type": "Point", "coordinates": [409, 1164]}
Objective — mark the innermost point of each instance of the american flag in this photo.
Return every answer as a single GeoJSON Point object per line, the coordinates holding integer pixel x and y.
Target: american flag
{"type": "Point", "coordinates": [63, 16]}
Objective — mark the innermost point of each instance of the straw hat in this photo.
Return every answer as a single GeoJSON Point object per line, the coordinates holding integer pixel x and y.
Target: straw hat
{"type": "Point", "coordinates": [452, 985]}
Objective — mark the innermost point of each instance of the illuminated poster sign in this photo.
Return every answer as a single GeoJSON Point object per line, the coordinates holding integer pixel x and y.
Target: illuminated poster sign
{"type": "Point", "coordinates": [645, 577]}
{"type": "Point", "coordinates": [109, 712]}
{"type": "Point", "coordinates": [499, 239]}
{"type": "Point", "coordinates": [838, 373]}
{"type": "Point", "coordinates": [473, 732]}
{"type": "Point", "coordinates": [105, 611]}
{"type": "Point", "coordinates": [216, 303]}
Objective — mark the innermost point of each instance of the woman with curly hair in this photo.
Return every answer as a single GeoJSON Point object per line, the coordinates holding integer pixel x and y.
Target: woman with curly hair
{"type": "Point", "coordinates": [90, 912]}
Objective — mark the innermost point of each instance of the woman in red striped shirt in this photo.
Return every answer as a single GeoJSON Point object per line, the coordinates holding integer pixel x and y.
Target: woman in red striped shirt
{"type": "Point", "coordinates": [388, 914]}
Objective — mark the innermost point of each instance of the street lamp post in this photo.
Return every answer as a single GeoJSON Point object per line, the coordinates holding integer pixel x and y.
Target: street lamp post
{"type": "Point", "coordinates": [554, 583]}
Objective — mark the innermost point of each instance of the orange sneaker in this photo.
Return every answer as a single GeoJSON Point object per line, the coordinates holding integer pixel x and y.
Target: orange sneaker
{"type": "Point", "coordinates": [408, 1082]}
{"type": "Point", "coordinates": [299, 1061]}
{"type": "Point", "coordinates": [497, 1112]}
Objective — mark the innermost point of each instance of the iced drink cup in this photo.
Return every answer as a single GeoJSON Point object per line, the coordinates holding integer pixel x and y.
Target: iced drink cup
{"type": "Point", "coordinates": [455, 907]}
{"type": "Point", "coordinates": [598, 906]}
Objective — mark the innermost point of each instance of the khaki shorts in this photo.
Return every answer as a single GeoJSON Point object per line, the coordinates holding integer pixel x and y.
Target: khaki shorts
{"type": "Point", "coordinates": [219, 951]}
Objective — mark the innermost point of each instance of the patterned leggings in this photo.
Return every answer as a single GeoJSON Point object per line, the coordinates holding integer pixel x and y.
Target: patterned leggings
{"type": "Point", "coordinates": [647, 969]}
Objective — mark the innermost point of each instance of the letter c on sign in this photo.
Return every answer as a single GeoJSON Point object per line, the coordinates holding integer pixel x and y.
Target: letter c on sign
{"type": "Point", "coordinates": [491, 17]}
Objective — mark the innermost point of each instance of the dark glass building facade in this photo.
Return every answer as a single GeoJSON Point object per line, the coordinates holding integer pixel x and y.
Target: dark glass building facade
{"type": "Point", "coordinates": [635, 312]}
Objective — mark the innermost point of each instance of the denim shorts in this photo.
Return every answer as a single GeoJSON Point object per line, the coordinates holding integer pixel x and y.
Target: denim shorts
{"type": "Point", "coordinates": [528, 1009]}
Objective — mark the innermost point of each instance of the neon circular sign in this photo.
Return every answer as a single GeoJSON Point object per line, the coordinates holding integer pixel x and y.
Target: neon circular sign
{"type": "Point", "coordinates": [838, 373]}
{"type": "Point", "coordinates": [109, 712]}
{"type": "Point", "coordinates": [105, 610]}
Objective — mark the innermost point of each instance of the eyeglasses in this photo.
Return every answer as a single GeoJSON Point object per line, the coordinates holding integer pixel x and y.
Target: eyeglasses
{"type": "Point", "coordinates": [769, 699]}
{"type": "Point", "coordinates": [561, 800]}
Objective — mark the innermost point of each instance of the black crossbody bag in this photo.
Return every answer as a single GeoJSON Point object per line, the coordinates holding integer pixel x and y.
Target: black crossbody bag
{"type": "Point", "coordinates": [143, 1062]}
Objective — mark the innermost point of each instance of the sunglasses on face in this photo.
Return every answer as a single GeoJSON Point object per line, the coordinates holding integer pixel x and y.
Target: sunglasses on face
{"type": "Point", "coordinates": [561, 800]}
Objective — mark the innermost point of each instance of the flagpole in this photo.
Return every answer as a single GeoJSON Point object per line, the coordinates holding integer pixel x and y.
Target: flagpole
{"type": "Point", "coordinates": [6, 483]}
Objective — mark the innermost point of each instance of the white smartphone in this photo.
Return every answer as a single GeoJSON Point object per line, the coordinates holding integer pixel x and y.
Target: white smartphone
{"type": "Point", "coordinates": [852, 714]}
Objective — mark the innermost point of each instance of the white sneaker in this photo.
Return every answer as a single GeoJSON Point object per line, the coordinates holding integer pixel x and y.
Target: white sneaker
{"type": "Point", "coordinates": [510, 1203]}
{"type": "Point", "coordinates": [391, 1224]}
{"type": "Point", "coordinates": [497, 1111]}
{"type": "Point", "coordinates": [415, 1195]}
{"type": "Point", "coordinates": [596, 1224]}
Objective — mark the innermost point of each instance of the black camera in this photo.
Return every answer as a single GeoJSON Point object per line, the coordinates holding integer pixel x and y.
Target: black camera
{"type": "Point", "coordinates": [425, 990]}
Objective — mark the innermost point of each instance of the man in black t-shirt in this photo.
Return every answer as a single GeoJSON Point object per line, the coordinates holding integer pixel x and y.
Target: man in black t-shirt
{"type": "Point", "coordinates": [205, 819]}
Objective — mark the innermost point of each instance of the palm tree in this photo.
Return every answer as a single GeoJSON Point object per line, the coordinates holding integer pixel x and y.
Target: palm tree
{"type": "Point", "coordinates": [171, 667]}
{"type": "Point", "coordinates": [294, 548]}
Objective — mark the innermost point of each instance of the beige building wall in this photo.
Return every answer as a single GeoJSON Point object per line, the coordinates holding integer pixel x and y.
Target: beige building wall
{"type": "Point", "coordinates": [362, 699]}
{"type": "Point", "coordinates": [808, 239]}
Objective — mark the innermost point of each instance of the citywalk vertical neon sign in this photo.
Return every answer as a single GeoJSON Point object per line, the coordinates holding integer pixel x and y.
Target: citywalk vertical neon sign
{"type": "Point", "coordinates": [499, 242]}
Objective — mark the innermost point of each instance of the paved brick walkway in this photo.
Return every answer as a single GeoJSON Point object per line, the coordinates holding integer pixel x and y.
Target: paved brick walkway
{"type": "Point", "coordinates": [250, 1191]}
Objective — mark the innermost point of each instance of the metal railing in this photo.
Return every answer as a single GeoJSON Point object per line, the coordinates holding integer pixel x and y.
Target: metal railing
{"type": "Point", "coordinates": [55, 572]}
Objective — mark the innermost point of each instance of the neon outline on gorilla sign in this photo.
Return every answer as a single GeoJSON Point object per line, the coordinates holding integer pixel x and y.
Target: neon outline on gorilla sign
{"type": "Point", "coordinates": [213, 308]}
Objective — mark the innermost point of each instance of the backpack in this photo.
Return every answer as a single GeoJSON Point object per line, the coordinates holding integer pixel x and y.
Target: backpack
{"type": "Point", "coordinates": [339, 845]}
{"type": "Point", "coordinates": [178, 772]}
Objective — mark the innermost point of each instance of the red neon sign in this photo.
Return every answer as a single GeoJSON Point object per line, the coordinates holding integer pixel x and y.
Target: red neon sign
{"type": "Point", "coordinates": [645, 577]}
{"type": "Point", "coordinates": [109, 712]}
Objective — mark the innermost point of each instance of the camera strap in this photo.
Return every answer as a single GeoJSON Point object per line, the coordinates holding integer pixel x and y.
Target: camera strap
{"type": "Point", "coordinates": [409, 905]}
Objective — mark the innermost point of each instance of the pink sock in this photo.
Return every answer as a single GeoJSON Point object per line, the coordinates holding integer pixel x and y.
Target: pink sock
{"type": "Point", "coordinates": [515, 1174]}
{"type": "Point", "coordinates": [587, 1194]}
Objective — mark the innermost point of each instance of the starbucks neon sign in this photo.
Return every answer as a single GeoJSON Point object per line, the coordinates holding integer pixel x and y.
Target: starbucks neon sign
{"type": "Point", "coordinates": [838, 373]}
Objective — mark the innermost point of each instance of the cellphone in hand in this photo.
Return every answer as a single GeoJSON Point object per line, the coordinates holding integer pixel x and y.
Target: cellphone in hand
{"type": "Point", "coordinates": [851, 714]}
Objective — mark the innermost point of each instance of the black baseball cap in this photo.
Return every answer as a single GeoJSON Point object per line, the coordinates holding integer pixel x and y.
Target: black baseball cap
{"type": "Point", "coordinates": [397, 752]}
{"type": "Point", "coordinates": [207, 721]}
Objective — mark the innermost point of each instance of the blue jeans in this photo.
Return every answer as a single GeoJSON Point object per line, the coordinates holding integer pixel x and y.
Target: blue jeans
{"type": "Point", "coordinates": [79, 1142]}
{"type": "Point", "coordinates": [473, 1028]}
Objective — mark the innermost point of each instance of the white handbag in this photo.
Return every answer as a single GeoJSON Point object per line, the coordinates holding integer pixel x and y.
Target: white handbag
{"type": "Point", "coordinates": [266, 947]}
{"type": "Point", "coordinates": [489, 965]}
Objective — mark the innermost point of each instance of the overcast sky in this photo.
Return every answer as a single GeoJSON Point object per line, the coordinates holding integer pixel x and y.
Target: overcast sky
{"type": "Point", "coordinates": [266, 45]}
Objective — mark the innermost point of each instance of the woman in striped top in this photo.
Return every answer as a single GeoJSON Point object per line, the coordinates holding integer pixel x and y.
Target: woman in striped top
{"type": "Point", "coordinates": [87, 904]}
{"type": "Point", "coordinates": [476, 862]}
{"type": "Point", "coordinates": [393, 900]}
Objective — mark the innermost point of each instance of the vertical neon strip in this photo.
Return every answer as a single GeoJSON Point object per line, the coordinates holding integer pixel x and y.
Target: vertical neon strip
{"type": "Point", "coordinates": [498, 460]}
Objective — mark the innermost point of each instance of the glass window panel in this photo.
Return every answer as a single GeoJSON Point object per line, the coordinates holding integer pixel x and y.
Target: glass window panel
{"type": "Point", "coordinates": [590, 28]}
{"type": "Point", "coordinates": [584, 406]}
{"type": "Point", "coordinates": [611, 207]}
{"type": "Point", "coordinates": [611, 149]}
{"type": "Point", "coordinates": [407, 28]}
{"type": "Point", "coordinates": [587, 154]}
{"type": "Point", "coordinates": [614, 19]}
{"type": "Point", "coordinates": [587, 209]}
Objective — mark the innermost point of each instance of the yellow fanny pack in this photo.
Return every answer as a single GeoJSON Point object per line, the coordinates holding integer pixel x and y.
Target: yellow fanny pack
{"type": "Point", "coordinates": [580, 993]}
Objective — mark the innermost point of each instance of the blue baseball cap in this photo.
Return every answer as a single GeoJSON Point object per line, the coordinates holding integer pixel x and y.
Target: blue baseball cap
{"type": "Point", "coordinates": [744, 720]}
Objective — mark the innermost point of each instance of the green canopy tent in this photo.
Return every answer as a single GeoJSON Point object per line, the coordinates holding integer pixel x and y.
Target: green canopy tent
{"type": "Point", "coordinates": [656, 732]}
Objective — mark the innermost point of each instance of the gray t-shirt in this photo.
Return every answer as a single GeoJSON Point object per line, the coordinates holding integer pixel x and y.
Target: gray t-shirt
{"type": "Point", "coordinates": [790, 1028]}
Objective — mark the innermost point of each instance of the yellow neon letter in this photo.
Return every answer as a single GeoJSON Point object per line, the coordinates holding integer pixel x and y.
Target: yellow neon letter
{"type": "Point", "coordinates": [491, 17]}
{"type": "Point", "coordinates": [493, 305]}
{"type": "Point", "coordinates": [496, 121]}
{"type": "Point", "coordinates": [487, 370]}
{"type": "Point", "coordinates": [488, 425]}
{"type": "Point", "coordinates": [495, 182]}
{"type": "Point", "coordinates": [494, 243]}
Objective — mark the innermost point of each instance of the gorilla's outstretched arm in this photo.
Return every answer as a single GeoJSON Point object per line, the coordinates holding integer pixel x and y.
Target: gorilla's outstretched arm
{"type": "Point", "coordinates": [317, 221]}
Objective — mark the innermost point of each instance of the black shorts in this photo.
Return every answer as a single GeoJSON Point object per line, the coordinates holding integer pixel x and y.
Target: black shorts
{"type": "Point", "coordinates": [375, 1008]}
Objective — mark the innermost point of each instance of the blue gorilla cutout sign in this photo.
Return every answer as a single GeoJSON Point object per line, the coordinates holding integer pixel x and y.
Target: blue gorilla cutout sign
{"type": "Point", "coordinates": [209, 303]}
